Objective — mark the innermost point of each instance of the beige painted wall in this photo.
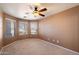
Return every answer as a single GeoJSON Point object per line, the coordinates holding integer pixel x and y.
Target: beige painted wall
{"type": "Point", "coordinates": [62, 28]}
{"type": "Point", "coordinates": [1, 30]}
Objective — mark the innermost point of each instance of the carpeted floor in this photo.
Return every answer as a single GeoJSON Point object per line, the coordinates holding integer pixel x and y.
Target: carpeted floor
{"type": "Point", "coordinates": [35, 47]}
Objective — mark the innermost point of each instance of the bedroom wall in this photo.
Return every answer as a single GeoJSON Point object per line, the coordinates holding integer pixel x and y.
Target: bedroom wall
{"type": "Point", "coordinates": [1, 29]}
{"type": "Point", "coordinates": [62, 28]}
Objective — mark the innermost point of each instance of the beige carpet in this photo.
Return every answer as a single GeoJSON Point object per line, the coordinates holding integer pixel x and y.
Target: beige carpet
{"type": "Point", "coordinates": [35, 47]}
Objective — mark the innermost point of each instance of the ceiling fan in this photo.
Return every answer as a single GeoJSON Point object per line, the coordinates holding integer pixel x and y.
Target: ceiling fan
{"type": "Point", "coordinates": [37, 12]}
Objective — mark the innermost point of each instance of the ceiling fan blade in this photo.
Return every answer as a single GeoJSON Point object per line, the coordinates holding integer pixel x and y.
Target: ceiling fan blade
{"type": "Point", "coordinates": [44, 9]}
{"type": "Point", "coordinates": [36, 8]}
{"type": "Point", "coordinates": [41, 14]}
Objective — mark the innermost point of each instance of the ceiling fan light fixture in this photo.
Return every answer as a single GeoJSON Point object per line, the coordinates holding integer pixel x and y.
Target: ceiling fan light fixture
{"type": "Point", "coordinates": [36, 13]}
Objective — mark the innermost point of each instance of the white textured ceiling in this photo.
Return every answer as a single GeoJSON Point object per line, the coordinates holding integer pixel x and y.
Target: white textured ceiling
{"type": "Point", "coordinates": [20, 9]}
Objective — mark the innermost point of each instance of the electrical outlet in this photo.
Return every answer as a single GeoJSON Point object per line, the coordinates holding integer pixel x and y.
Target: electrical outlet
{"type": "Point", "coordinates": [58, 41]}
{"type": "Point", "coordinates": [53, 40]}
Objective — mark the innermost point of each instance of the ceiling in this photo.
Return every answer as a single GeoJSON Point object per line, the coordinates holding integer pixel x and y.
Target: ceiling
{"type": "Point", "coordinates": [23, 11]}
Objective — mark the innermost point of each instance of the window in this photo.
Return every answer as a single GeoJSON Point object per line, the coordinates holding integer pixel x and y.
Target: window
{"type": "Point", "coordinates": [22, 28]}
{"type": "Point", "coordinates": [33, 27]}
{"type": "Point", "coordinates": [9, 28]}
